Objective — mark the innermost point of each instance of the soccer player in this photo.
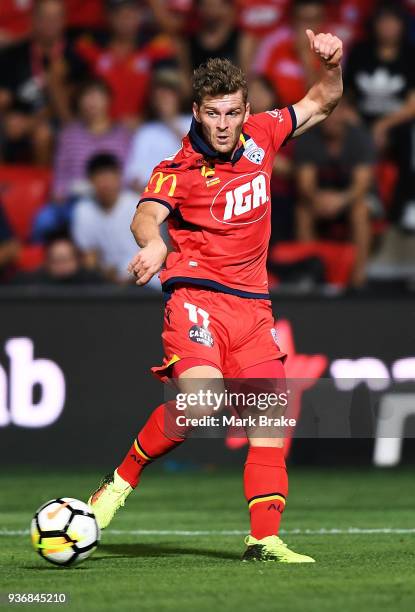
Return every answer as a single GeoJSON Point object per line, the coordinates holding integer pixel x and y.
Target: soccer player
{"type": "Point", "coordinates": [218, 319]}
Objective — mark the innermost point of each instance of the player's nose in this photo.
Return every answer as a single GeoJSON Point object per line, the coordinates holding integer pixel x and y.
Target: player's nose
{"type": "Point", "coordinates": [222, 123]}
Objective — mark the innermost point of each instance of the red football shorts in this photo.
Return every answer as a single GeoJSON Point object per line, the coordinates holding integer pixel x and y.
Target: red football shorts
{"type": "Point", "coordinates": [229, 332]}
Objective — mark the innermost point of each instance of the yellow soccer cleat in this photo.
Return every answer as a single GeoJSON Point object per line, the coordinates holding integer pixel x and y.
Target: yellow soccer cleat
{"type": "Point", "coordinates": [272, 548]}
{"type": "Point", "coordinates": [108, 498]}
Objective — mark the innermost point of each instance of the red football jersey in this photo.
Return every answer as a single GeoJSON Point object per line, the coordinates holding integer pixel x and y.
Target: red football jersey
{"type": "Point", "coordinates": [220, 209]}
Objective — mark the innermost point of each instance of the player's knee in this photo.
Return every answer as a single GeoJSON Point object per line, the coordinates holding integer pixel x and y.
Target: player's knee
{"type": "Point", "coordinates": [201, 391]}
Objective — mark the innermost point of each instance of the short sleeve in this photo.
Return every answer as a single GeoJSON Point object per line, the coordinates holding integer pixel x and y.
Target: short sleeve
{"type": "Point", "coordinates": [168, 185]}
{"type": "Point", "coordinates": [279, 125]}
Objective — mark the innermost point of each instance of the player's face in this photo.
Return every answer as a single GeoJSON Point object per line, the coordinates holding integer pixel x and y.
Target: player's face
{"type": "Point", "coordinates": [222, 118]}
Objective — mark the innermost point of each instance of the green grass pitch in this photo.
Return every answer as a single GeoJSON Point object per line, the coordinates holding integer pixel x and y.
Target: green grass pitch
{"type": "Point", "coordinates": [145, 563]}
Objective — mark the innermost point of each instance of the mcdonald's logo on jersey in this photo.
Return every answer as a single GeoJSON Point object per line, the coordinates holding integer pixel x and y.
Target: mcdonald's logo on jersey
{"type": "Point", "coordinates": [159, 178]}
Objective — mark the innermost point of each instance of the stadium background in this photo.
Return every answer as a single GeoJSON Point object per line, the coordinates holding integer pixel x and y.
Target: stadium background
{"type": "Point", "coordinates": [105, 85]}
{"type": "Point", "coordinates": [104, 344]}
{"type": "Point", "coordinates": [86, 79]}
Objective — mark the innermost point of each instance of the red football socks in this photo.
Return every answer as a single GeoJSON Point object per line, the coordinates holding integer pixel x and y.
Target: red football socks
{"type": "Point", "coordinates": [158, 436]}
{"type": "Point", "coordinates": [265, 475]}
{"type": "Point", "coordinates": [266, 489]}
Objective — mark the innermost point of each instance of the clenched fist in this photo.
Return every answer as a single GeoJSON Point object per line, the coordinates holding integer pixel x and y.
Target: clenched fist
{"type": "Point", "coordinates": [327, 47]}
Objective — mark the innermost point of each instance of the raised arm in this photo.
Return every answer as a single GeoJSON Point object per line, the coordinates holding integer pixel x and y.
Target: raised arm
{"type": "Point", "coordinates": [324, 96]}
{"type": "Point", "coordinates": [145, 228]}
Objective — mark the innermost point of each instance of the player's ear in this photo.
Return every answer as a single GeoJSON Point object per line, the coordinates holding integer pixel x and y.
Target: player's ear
{"type": "Point", "coordinates": [247, 111]}
{"type": "Point", "coordinates": [196, 111]}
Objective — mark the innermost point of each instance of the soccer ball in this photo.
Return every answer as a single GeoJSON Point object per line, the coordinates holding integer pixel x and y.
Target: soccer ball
{"type": "Point", "coordinates": [64, 531]}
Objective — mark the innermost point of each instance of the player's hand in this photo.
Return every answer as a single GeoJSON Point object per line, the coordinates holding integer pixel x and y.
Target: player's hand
{"type": "Point", "coordinates": [148, 261]}
{"type": "Point", "coordinates": [327, 47]}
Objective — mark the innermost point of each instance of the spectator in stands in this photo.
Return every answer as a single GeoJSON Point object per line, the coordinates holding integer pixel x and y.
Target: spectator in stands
{"type": "Point", "coordinates": [160, 137]}
{"type": "Point", "coordinates": [63, 266]}
{"type": "Point", "coordinates": [394, 259]}
{"type": "Point", "coordinates": [402, 151]}
{"type": "Point", "coordinates": [85, 15]}
{"type": "Point", "coordinates": [351, 15]}
{"type": "Point", "coordinates": [39, 73]}
{"type": "Point", "coordinates": [124, 63]}
{"type": "Point", "coordinates": [410, 7]}
{"type": "Point", "coordinates": [9, 247]}
{"type": "Point", "coordinates": [17, 145]}
{"type": "Point", "coordinates": [256, 19]}
{"type": "Point", "coordinates": [92, 133]}
{"type": "Point", "coordinates": [174, 17]}
{"type": "Point", "coordinates": [380, 77]}
{"type": "Point", "coordinates": [15, 17]}
{"type": "Point", "coordinates": [335, 181]}
{"type": "Point", "coordinates": [284, 56]}
{"type": "Point", "coordinates": [101, 223]}
{"type": "Point", "coordinates": [215, 36]}
{"type": "Point", "coordinates": [14, 20]}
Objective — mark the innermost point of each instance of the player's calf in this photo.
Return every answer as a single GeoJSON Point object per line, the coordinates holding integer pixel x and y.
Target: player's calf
{"type": "Point", "coordinates": [155, 439]}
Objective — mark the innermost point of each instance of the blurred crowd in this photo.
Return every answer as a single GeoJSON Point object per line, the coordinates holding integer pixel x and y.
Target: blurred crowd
{"type": "Point", "coordinates": [94, 93]}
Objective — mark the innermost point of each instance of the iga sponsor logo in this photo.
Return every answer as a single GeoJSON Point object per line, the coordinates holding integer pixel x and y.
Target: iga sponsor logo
{"type": "Point", "coordinates": [244, 204]}
{"type": "Point", "coordinates": [25, 374]}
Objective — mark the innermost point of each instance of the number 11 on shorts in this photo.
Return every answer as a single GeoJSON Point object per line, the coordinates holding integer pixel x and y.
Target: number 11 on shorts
{"type": "Point", "coordinates": [194, 311]}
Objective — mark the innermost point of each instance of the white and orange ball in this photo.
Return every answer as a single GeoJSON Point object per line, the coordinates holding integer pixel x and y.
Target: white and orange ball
{"type": "Point", "coordinates": [64, 531]}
